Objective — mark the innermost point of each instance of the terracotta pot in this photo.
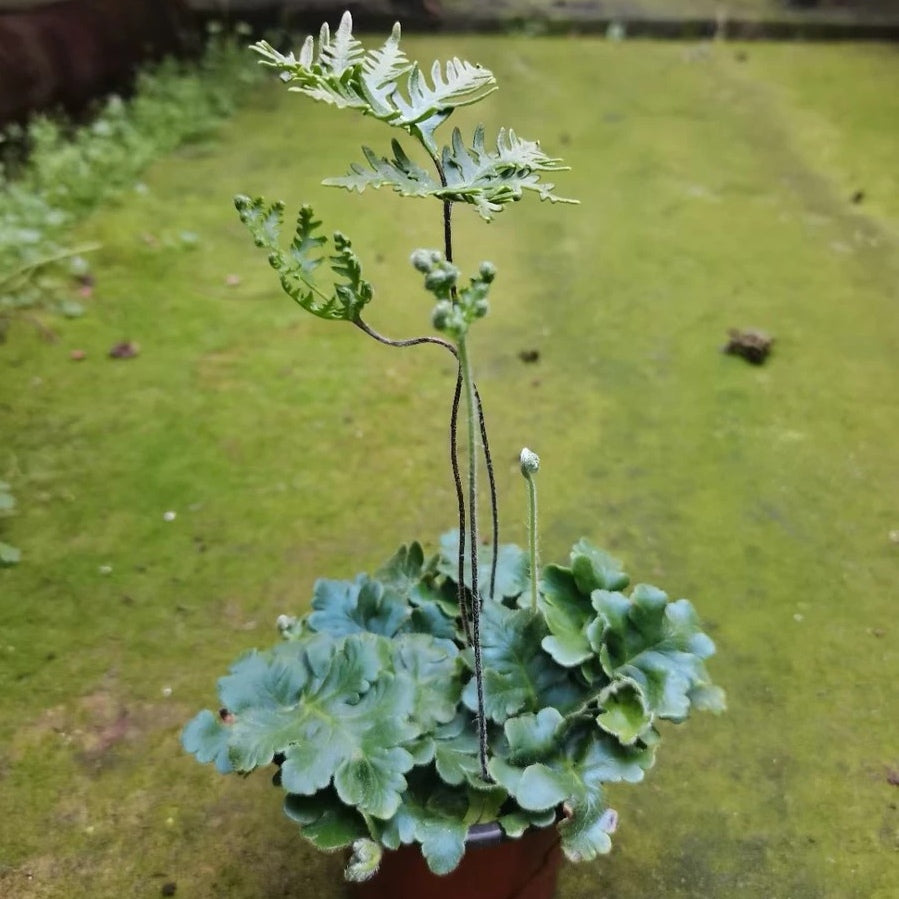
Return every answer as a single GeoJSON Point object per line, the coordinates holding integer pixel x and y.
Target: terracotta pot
{"type": "Point", "coordinates": [492, 868]}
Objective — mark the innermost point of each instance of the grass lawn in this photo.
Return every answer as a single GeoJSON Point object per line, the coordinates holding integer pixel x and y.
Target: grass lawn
{"type": "Point", "coordinates": [716, 187]}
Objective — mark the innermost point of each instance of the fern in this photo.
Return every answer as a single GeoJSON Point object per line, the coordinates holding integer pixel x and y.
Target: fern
{"type": "Point", "coordinates": [343, 74]}
{"type": "Point", "coordinates": [296, 266]}
{"type": "Point", "coordinates": [401, 173]}
{"type": "Point", "coordinates": [483, 178]}
{"type": "Point", "coordinates": [489, 179]}
{"type": "Point", "coordinates": [382, 68]}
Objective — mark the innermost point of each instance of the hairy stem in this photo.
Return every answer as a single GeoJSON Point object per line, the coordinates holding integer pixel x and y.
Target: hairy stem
{"type": "Point", "coordinates": [491, 482]}
{"type": "Point", "coordinates": [470, 406]}
{"type": "Point", "coordinates": [532, 536]}
{"type": "Point", "coordinates": [437, 341]}
{"type": "Point", "coordinates": [472, 402]}
{"type": "Point", "coordinates": [460, 502]}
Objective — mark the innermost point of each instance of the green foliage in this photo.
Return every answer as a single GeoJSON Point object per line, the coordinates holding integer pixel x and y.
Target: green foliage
{"type": "Point", "coordinates": [405, 706]}
{"type": "Point", "coordinates": [69, 171]}
{"type": "Point", "coordinates": [370, 721]}
{"type": "Point", "coordinates": [296, 266]}
{"type": "Point", "coordinates": [486, 179]}
{"type": "Point", "coordinates": [341, 72]}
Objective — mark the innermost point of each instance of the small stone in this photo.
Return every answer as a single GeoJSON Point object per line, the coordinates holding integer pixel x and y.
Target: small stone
{"type": "Point", "coordinates": [124, 350]}
{"type": "Point", "coordinates": [752, 345]}
{"type": "Point", "coordinates": [105, 569]}
{"type": "Point", "coordinates": [166, 691]}
{"type": "Point", "coordinates": [169, 516]}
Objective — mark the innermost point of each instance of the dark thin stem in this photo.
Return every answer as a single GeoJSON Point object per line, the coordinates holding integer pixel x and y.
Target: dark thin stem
{"type": "Point", "coordinates": [412, 341]}
{"type": "Point", "coordinates": [460, 501]}
{"type": "Point", "coordinates": [447, 225]}
{"type": "Point", "coordinates": [471, 401]}
{"type": "Point", "coordinates": [447, 214]}
{"type": "Point", "coordinates": [492, 484]}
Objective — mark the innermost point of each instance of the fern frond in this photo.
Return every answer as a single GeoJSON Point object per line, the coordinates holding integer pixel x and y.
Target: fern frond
{"type": "Point", "coordinates": [401, 173]}
{"type": "Point", "coordinates": [485, 179]}
{"type": "Point", "coordinates": [341, 301]}
{"type": "Point", "coordinates": [343, 74]}
{"type": "Point", "coordinates": [382, 69]}
{"type": "Point", "coordinates": [342, 53]}
{"type": "Point", "coordinates": [489, 179]}
{"type": "Point", "coordinates": [461, 85]}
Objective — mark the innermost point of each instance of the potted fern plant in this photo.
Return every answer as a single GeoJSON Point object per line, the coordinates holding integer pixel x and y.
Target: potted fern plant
{"type": "Point", "coordinates": [469, 695]}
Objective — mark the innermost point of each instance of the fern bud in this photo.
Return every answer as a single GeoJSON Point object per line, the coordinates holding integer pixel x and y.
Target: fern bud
{"type": "Point", "coordinates": [487, 272]}
{"type": "Point", "coordinates": [425, 260]}
{"type": "Point", "coordinates": [440, 317]}
{"type": "Point", "coordinates": [442, 278]}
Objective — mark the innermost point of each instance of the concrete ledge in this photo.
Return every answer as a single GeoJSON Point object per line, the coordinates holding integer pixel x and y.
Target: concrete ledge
{"type": "Point", "coordinates": [855, 20]}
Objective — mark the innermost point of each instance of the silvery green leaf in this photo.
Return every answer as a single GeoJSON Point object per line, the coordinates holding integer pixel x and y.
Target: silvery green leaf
{"type": "Point", "coordinates": [432, 666]}
{"type": "Point", "coordinates": [362, 605]}
{"type": "Point", "coordinates": [433, 818]}
{"type": "Point", "coordinates": [325, 821]}
{"type": "Point", "coordinates": [518, 675]}
{"type": "Point", "coordinates": [206, 736]}
{"type": "Point", "coordinates": [533, 737]}
{"type": "Point", "coordinates": [623, 711]}
{"type": "Point", "coordinates": [332, 710]}
{"type": "Point", "coordinates": [655, 644]}
{"type": "Point", "coordinates": [512, 566]}
{"type": "Point", "coordinates": [490, 179]}
{"type": "Point", "coordinates": [567, 612]}
{"type": "Point", "coordinates": [456, 757]}
{"type": "Point", "coordinates": [401, 173]}
{"type": "Point", "coordinates": [346, 75]}
{"type": "Point", "coordinates": [594, 569]}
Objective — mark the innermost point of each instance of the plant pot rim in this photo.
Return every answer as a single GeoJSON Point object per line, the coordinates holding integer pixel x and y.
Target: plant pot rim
{"type": "Point", "coordinates": [487, 834]}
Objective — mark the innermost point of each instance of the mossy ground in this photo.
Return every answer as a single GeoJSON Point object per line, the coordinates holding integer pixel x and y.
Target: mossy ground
{"type": "Point", "coordinates": [715, 192]}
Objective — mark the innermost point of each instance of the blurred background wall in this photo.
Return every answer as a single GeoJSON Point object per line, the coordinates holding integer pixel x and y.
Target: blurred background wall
{"type": "Point", "coordinates": [61, 54]}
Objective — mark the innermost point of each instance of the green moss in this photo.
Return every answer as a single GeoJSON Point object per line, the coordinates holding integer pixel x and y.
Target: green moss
{"type": "Point", "coordinates": [290, 448]}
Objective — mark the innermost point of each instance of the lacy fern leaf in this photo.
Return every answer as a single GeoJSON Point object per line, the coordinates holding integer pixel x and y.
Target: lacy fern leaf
{"type": "Point", "coordinates": [489, 180]}
{"type": "Point", "coordinates": [401, 173]}
{"type": "Point", "coordinates": [346, 75]}
{"type": "Point", "coordinates": [296, 266]}
{"type": "Point", "coordinates": [485, 179]}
